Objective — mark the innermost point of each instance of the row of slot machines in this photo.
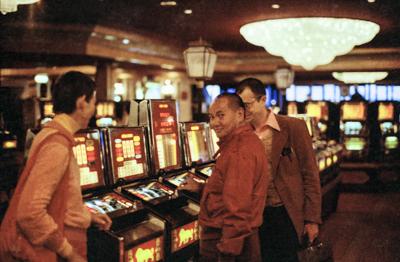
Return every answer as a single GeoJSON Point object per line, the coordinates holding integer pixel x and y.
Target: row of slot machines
{"type": "Point", "coordinates": [132, 174]}
{"type": "Point", "coordinates": [362, 128]}
{"type": "Point", "coordinates": [368, 130]}
{"type": "Point", "coordinates": [328, 154]}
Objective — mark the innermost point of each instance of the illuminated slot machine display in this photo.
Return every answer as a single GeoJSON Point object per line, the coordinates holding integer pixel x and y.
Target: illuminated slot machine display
{"type": "Point", "coordinates": [318, 145]}
{"type": "Point", "coordinates": [354, 131]}
{"type": "Point", "coordinates": [105, 114]}
{"type": "Point", "coordinates": [319, 110]}
{"type": "Point", "coordinates": [135, 234]}
{"type": "Point", "coordinates": [198, 147]}
{"type": "Point", "coordinates": [180, 212]}
{"type": "Point", "coordinates": [292, 109]}
{"type": "Point", "coordinates": [389, 127]}
{"type": "Point", "coordinates": [46, 112]}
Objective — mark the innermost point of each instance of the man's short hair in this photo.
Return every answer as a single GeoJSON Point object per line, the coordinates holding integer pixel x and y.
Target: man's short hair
{"type": "Point", "coordinates": [234, 101]}
{"type": "Point", "coordinates": [68, 88]}
{"type": "Point", "coordinates": [255, 85]}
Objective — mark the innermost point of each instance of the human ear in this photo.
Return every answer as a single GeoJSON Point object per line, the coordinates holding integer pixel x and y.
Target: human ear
{"type": "Point", "coordinates": [80, 102]}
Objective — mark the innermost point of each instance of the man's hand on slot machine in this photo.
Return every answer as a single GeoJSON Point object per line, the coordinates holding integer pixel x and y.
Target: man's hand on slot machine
{"type": "Point", "coordinates": [190, 185]}
{"type": "Point", "coordinates": [101, 221]}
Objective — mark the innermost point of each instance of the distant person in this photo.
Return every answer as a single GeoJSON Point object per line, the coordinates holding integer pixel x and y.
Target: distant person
{"type": "Point", "coordinates": [293, 205]}
{"type": "Point", "coordinates": [46, 219]}
{"type": "Point", "coordinates": [357, 97]}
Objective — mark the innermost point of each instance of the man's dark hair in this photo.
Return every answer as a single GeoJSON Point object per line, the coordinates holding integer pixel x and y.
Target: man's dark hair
{"type": "Point", "coordinates": [68, 88]}
{"type": "Point", "coordinates": [255, 85]}
{"type": "Point", "coordinates": [234, 101]}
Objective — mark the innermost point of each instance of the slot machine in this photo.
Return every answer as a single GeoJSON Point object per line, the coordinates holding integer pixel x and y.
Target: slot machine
{"type": "Point", "coordinates": [389, 128]}
{"type": "Point", "coordinates": [319, 110]}
{"type": "Point", "coordinates": [9, 161]}
{"type": "Point", "coordinates": [180, 212]}
{"type": "Point", "coordinates": [199, 147]}
{"type": "Point", "coordinates": [105, 114]}
{"type": "Point", "coordinates": [136, 234]}
{"type": "Point", "coordinates": [354, 130]}
{"type": "Point", "coordinates": [46, 112]}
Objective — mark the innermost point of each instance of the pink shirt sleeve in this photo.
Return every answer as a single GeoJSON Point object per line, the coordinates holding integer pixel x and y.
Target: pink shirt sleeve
{"type": "Point", "coordinates": [32, 216]}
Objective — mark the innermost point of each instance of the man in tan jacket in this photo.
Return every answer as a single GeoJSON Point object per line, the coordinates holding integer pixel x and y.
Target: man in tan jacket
{"type": "Point", "coordinates": [293, 205]}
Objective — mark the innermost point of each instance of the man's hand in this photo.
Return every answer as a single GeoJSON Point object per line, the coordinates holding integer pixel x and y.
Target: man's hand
{"type": "Point", "coordinates": [101, 221]}
{"type": "Point", "coordinates": [191, 185]}
{"type": "Point", "coordinates": [311, 229]}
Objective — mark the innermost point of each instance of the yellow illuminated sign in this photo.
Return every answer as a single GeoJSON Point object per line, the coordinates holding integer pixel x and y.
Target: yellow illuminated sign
{"type": "Point", "coordinates": [10, 144]}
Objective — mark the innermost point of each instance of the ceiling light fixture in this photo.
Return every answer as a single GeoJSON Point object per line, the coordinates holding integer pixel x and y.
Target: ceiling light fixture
{"type": "Point", "coordinates": [188, 11]}
{"type": "Point", "coordinates": [200, 60]}
{"type": "Point", "coordinates": [9, 6]}
{"type": "Point", "coordinates": [309, 41]}
{"type": "Point", "coordinates": [168, 3]}
{"type": "Point", "coordinates": [359, 77]}
{"type": "Point", "coordinates": [275, 6]}
{"type": "Point", "coordinates": [371, 1]}
{"type": "Point", "coordinates": [125, 41]}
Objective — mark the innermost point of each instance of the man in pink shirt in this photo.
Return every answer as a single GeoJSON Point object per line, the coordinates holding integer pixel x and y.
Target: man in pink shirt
{"type": "Point", "coordinates": [46, 219]}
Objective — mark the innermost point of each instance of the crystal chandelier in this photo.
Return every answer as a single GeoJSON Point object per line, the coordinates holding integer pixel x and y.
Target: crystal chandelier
{"type": "Point", "coordinates": [9, 6]}
{"type": "Point", "coordinates": [309, 41]}
{"type": "Point", "coordinates": [359, 77]}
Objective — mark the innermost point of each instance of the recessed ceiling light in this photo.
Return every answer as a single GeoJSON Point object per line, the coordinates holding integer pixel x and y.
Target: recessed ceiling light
{"type": "Point", "coordinates": [125, 41]}
{"type": "Point", "coordinates": [168, 3]}
{"type": "Point", "coordinates": [188, 11]}
{"type": "Point", "coordinates": [167, 66]}
{"type": "Point", "coordinates": [371, 1]}
{"type": "Point", "coordinates": [109, 37]}
{"type": "Point", "coordinates": [275, 6]}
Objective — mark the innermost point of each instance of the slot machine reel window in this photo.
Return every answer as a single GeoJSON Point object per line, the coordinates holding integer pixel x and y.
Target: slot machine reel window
{"type": "Point", "coordinates": [355, 143]}
{"type": "Point", "coordinates": [108, 204]}
{"type": "Point", "coordinates": [352, 128]}
{"type": "Point", "coordinates": [128, 153]}
{"type": "Point", "coordinates": [88, 156]}
{"type": "Point", "coordinates": [151, 191]}
{"type": "Point", "coordinates": [166, 135]}
{"type": "Point", "coordinates": [182, 178]}
{"type": "Point", "coordinates": [196, 141]}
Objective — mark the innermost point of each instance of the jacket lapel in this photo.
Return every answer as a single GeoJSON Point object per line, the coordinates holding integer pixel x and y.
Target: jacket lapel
{"type": "Point", "coordinates": [279, 139]}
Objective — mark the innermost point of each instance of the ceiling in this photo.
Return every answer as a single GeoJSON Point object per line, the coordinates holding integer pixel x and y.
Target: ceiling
{"type": "Point", "coordinates": [217, 22]}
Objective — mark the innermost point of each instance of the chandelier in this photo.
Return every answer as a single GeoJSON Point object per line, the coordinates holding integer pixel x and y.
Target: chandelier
{"type": "Point", "coordinates": [359, 77]}
{"type": "Point", "coordinates": [200, 60]}
{"type": "Point", "coordinates": [9, 6]}
{"type": "Point", "coordinates": [309, 41]}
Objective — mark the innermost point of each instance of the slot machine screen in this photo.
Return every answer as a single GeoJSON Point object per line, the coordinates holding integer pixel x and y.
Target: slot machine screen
{"type": "Point", "coordinates": [165, 131]}
{"type": "Point", "coordinates": [48, 109]}
{"type": "Point", "coordinates": [181, 179]}
{"type": "Point", "coordinates": [214, 142]}
{"type": "Point", "coordinates": [197, 144]}
{"type": "Point", "coordinates": [353, 111]}
{"type": "Point", "coordinates": [352, 128]}
{"type": "Point", "coordinates": [319, 110]}
{"type": "Point", "coordinates": [108, 204]}
{"type": "Point", "coordinates": [292, 108]}
{"type": "Point", "coordinates": [151, 191]}
{"type": "Point", "coordinates": [128, 156]}
{"type": "Point", "coordinates": [88, 156]}
{"type": "Point", "coordinates": [388, 127]}
{"type": "Point", "coordinates": [385, 112]}
{"type": "Point", "coordinates": [207, 171]}
{"type": "Point", "coordinates": [391, 142]}
{"type": "Point", "coordinates": [354, 143]}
